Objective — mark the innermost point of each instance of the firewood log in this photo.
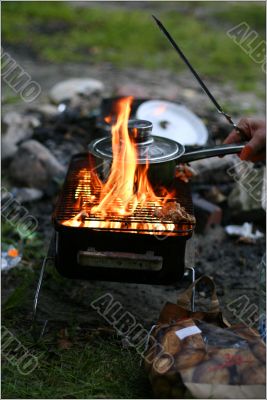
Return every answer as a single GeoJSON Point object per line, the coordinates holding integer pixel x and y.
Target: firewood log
{"type": "Point", "coordinates": [171, 343]}
{"type": "Point", "coordinates": [211, 372]}
{"type": "Point", "coordinates": [248, 334]}
{"type": "Point", "coordinates": [188, 358]}
{"type": "Point", "coordinates": [254, 375]}
{"type": "Point", "coordinates": [193, 342]}
{"type": "Point", "coordinates": [259, 350]}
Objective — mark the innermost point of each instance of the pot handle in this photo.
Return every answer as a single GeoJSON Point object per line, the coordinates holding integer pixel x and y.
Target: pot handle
{"type": "Point", "coordinates": [212, 151]}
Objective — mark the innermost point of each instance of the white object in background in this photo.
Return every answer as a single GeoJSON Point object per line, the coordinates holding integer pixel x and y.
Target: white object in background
{"type": "Point", "coordinates": [173, 121]}
{"type": "Point", "coordinates": [66, 90]}
{"type": "Point", "coordinates": [244, 230]}
{"type": "Point", "coordinates": [10, 258]}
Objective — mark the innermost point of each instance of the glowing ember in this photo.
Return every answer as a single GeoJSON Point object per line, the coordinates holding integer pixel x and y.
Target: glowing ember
{"type": "Point", "coordinates": [126, 189]}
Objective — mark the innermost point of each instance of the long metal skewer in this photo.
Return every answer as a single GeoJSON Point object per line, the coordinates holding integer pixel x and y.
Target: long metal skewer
{"type": "Point", "coordinates": [200, 81]}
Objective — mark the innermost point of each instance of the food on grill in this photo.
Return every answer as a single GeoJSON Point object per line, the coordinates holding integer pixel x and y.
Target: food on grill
{"type": "Point", "coordinates": [175, 212]}
{"type": "Point", "coordinates": [84, 215]}
{"type": "Point", "coordinates": [184, 173]}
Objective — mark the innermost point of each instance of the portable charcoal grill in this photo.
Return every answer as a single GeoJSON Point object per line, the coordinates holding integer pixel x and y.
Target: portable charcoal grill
{"type": "Point", "coordinates": [117, 254]}
{"type": "Point", "coordinates": [121, 255]}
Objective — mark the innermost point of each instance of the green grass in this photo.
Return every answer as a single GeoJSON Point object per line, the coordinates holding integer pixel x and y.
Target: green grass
{"type": "Point", "coordinates": [63, 34]}
{"type": "Point", "coordinates": [95, 369]}
{"type": "Point", "coordinates": [252, 14]}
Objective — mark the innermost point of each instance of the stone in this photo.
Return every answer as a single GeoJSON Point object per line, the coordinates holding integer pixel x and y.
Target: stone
{"type": "Point", "coordinates": [46, 110]}
{"type": "Point", "coordinates": [209, 165]}
{"type": "Point", "coordinates": [132, 89]}
{"type": "Point", "coordinates": [84, 105]}
{"type": "Point", "coordinates": [244, 231]}
{"type": "Point", "coordinates": [25, 195]}
{"type": "Point", "coordinates": [168, 92]}
{"type": "Point", "coordinates": [190, 93]}
{"type": "Point", "coordinates": [215, 195]}
{"type": "Point", "coordinates": [207, 214]}
{"type": "Point", "coordinates": [65, 90]}
{"type": "Point", "coordinates": [35, 166]}
{"type": "Point", "coordinates": [213, 170]}
{"type": "Point", "coordinates": [16, 128]}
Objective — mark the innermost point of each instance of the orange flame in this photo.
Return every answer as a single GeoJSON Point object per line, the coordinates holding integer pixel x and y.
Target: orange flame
{"type": "Point", "coordinates": [126, 189]}
{"type": "Point", "coordinates": [117, 194]}
{"type": "Point", "coordinates": [108, 119]}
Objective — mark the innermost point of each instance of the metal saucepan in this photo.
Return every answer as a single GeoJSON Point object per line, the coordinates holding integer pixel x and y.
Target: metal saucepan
{"type": "Point", "coordinates": [162, 154]}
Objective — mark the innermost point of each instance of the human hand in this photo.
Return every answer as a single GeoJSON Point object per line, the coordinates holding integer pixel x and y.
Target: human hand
{"type": "Point", "coordinates": [255, 132]}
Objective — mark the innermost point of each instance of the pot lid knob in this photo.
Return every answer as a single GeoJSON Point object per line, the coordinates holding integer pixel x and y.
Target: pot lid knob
{"type": "Point", "coordinates": [140, 131]}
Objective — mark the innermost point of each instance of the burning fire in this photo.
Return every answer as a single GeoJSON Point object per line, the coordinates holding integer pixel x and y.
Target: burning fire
{"type": "Point", "coordinates": [112, 205]}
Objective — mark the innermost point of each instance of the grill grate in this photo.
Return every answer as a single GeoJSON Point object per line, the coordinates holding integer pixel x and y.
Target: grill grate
{"type": "Point", "coordinates": [78, 188]}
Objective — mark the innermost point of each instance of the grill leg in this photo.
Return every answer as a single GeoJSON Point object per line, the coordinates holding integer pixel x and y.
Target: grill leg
{"type": "Point", "coordinates": [191, 270]}
{"type": "Point", "coordinates": [35, 331]}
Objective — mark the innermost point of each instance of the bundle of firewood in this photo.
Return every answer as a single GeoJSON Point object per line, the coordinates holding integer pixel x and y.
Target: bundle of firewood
{"type": "Point", "coordinates": [208, 360]}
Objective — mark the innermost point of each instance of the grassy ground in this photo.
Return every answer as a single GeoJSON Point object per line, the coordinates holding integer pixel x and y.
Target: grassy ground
{"type": "Point", "coordinates": [74, 361]}
{"type": "Point", "coordinates": [61, 33]}
{"type": "Point", "coordinates": [93, 368]}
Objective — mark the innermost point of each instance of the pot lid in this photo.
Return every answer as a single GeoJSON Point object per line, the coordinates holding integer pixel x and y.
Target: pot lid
{"type": "Point", "coordinates": [174, 121]}
{"type": "Point", "coordinates": [152, 148]}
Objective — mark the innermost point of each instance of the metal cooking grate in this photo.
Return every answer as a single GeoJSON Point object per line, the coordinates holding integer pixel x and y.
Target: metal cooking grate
{"type": "Point", "coordinates": [68, 205]}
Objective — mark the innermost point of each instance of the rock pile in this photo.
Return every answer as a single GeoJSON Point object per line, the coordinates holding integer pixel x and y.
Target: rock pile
{"type": "Point", "coordinates": [38, 142]}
